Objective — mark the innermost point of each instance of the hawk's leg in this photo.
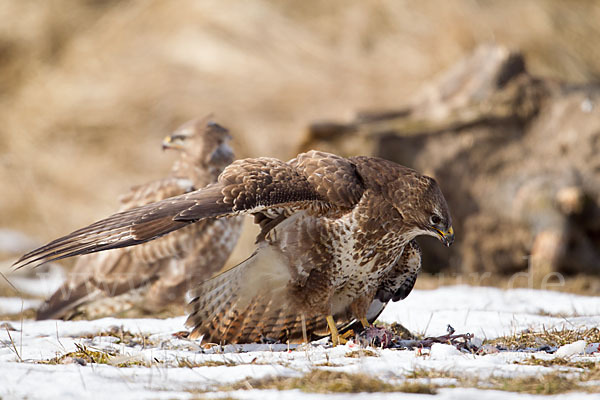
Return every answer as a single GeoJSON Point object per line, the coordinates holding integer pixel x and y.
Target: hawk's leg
{"type": "Point", "coordinates": [335, 336]}
{"type": "Point", "coordinates": [359, 309]}
{"type": "Point", "coordinates": [360, 306]}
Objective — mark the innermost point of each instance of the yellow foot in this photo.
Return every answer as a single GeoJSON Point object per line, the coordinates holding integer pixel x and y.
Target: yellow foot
{"type": "Point", "coordinates": [365, 323]}
{"type": "Point", "coordinates": [335, 336]}
{"type": "Point", "coordinates": [348, 334]}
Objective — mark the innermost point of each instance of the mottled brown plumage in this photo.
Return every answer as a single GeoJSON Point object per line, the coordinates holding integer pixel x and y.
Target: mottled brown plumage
{"type": "Point", "coordinates": [155, 275]}
{"type": "Point", "coordinates": [342, 258]}
{"type": "Point", "coordinates": [333, 231]}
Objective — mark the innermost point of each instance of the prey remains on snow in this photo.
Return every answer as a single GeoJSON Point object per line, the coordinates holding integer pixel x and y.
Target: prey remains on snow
{"type": "Point", "coordinates": [336, 243]}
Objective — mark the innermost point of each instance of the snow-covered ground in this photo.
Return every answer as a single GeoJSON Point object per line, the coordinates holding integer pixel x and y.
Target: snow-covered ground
{"type": "Point", "coordinates": [165, 366]}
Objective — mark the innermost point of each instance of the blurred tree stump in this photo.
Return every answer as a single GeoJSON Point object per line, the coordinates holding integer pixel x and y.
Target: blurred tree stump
{"type": "Point", "coordinates": [518, 158]}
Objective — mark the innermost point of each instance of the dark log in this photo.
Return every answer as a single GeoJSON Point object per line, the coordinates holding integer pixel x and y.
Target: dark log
{"type": "Point", "coordinates": [517, 156]}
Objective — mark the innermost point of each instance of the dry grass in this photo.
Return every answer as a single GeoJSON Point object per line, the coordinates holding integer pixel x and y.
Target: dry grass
{"type": "Point", "coordinates": [85, 355]}
{"type": "Point", "coordinates": [430, 373]}
{"type": "Point", "coordinates": [402, 333]}
{"type": "Point", "coordinates": [559, 361]}
{"type": "Point", "coordinates": [124, 337]}
{"type": "Point", "coordinates": [548, 384]}
{"type": "Point", "coordinates": [554, 382]}
{"type": "Point", "coordinates": [361, 353]}
{"type": "Point", "coordinates": [555, 337]}
{"type": "Point", "coordinates": [186, 363]}
{"type": "Point", "coordinates": [26, 314]}
{"type": "Point", "coordinates": [322, 381]}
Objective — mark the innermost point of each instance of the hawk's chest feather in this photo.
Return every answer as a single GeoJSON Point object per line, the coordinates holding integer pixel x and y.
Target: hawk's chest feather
{"type": "Point", "coordinates": [363, 253]}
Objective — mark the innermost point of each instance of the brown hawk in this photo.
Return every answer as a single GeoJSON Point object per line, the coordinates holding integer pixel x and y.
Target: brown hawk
{"type": "Point", "coordinates": [333, 234]}
{"type": "Point", "coordinates": [155, 275]}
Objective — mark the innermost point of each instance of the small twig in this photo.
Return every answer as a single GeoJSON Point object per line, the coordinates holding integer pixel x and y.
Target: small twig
{"type": "Point", "coordinates": [57, 337]}
{"type": "Point", "coordinates": [22, 307]}
{"type": "Point", "coordinates": [82, 380]}
{"type": "Point", "coordinates": [428, 341]}
{"type": "Point", "coordinates": [304, 334]}
{"type": "Point", "coordinates": [428, 322]}
{"type": "Point", "coordinates": [143, 338]}
{"type": "Point", "coordinates": [13, 344]}
{"type": "Point", "coordinates": [569, 322]}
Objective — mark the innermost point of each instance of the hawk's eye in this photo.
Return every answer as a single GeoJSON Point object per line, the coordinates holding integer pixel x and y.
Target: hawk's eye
{"type": "Point", "coordinates": [178, 137]}
{"type": "Point", "coordinates": [435, 219]}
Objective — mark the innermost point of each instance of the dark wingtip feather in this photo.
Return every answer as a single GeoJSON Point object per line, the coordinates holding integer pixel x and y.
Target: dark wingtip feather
{"type": "Point", "coordinates": [62, 302]}
{"type": "Point", "coordinates": [131, 227]}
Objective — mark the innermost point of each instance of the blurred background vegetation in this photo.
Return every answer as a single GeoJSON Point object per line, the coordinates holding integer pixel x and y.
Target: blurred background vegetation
{"type": "Point", "coordinates": [89, 88]}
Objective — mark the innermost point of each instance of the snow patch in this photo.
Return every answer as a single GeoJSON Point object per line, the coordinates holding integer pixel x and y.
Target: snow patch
{"type": "Point", "coordinates": [14, 305]}
{"type": "Point", "coordinates": [571, 349]}
{"type": "Point", "coordinates": [173, 367]}
{"type": "Point", "coordinates": [440, 351]}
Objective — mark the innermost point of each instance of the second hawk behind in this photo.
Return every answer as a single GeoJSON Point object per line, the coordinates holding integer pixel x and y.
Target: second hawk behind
{"type": "Point", "coordinates": [156, 275]}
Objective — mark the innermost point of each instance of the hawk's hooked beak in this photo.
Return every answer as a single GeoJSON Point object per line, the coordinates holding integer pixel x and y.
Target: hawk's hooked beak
{"type": "Point", "coordinates": [169, 143]}
{"type": "Point", "coordinates": [447, 238]}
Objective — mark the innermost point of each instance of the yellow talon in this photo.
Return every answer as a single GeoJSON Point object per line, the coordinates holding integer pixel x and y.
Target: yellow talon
{"type": "Point", "coordinates": [335, 336]}
{"type": "Point", "coordinates": [365, 323]}
{"type": "Point", "coordinates": [348, 334]}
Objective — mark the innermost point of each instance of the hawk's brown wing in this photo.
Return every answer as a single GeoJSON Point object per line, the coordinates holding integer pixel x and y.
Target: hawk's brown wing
{"type": "Point", "coordinates": [116, 272]}
{"type": "Point", "coordinates": [246, 186]}
{"type": "Point", "coordinates": [249, 303]}
{"type": "Point", "coordinates": [141, 195]}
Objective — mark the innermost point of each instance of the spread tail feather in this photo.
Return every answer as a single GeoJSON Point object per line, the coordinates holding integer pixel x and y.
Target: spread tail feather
{"type": "Point", "coordinates": [248, 303]}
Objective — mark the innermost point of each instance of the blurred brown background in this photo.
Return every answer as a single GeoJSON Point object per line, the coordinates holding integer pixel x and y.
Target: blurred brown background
{"type": "Point", "coordinates": [89, 88]}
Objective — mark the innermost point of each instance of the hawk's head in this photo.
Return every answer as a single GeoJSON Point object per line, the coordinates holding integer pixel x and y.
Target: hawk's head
{"type": "Point", "coordinates": [423, 207]}
{"type": "Point", "coordinates": [202, 140]}
{"type": "Point", "coordinates": [434, 217]}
